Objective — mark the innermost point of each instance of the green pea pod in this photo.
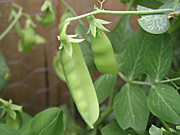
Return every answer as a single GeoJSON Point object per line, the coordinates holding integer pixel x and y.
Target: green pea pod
{"type": "Point", "coordinates": [104, 56]}
{"type": "Point", "coordinates": [80, 84]}
{"type": "Point", "coordinates": [27, 43]}
{"type": "Point", "coordinates": [58, 68]}
{"type": "Point", "coordinates": [48, 18]}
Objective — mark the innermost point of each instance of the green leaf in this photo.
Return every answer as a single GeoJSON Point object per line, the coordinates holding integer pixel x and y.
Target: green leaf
{"type": "Point", "coordinates": [104, 85]}
{"type": "Point", "coordinates": [25, 117]}
{"type": "Point", "coordinates": [158, 57]}
{"type": "Point", "coordinates": [121, 34]}
{"type": "Point", "coordinates": [11, 113]}
{"type": "Point", "coordinates": [130, 108]}
{"type": "Point", "coordinates": [47, 122]}
{"type": "Point", "coordinates": [24, 130]}
{"type": "Point", "coordinates": [164, 102]}
{"type": "Point", "coordinates": [114, 129]}
{"type": "Point", "coordinates": [81, 30]}
{"type": "Point", "coordinates": [4, 72]}
{"type": "Point", "coordinates": [155, 24]}
{"type": "Point", "coordinates": [155, 131]}
{"type": "Point", "coordinates": [132, 61]}
{"type": "Point", "coordinates": [6, 130]}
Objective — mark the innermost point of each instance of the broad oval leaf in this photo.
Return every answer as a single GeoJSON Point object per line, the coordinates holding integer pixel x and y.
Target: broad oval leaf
{"type": "Point", "coordinates": [121, 34]}
{"type": "Point", "coordinates": [6, 130]}
{"type": "Point", "coordinates": [47, 122]}
{"type": "Point", "coordinates": [114, 129]}
{"type": "Point", "coordinates": [158, 57]}
{"type": "Point", "coordinates": [130, 108]}
{"type": "Point", "coordinates": [132, 59]}
{"type": "Point", "coordinates": [104, 85]}
{"type": "Point", "coordinates": [155, 24]}
{"type": "Point", "coordinates": [164, 102]}
{"type": "Point", "coordinates": [4, 72]}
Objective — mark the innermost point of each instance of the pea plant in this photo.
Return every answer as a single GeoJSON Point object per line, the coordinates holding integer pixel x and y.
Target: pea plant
{"type": "Point", "coordinates": [137, 91]}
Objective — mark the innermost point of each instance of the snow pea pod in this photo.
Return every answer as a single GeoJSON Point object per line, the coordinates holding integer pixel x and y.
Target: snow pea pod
{"type": "Point", "coordinates": [80, 84]}
{"type": "Point", "coordinates": [104, 56]}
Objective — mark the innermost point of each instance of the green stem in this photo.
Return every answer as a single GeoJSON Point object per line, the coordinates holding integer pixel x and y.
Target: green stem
{"type": "Point", "coordinates": [104, 116]}
{"type": "Point", "coordinates": [166, 126]}
{"type": "Point", "coordinates": [158, 11]}
{"type": "Point", "coordinates": [72, 11]}
{"type": "Point", "coordinates": [130, 5]}
{"type": "Point", "coordinates": [170, 80]}
{"type": "Point", "coordinates": [12, 24]}
{"type": "Point", "coordinates": [133, 82]}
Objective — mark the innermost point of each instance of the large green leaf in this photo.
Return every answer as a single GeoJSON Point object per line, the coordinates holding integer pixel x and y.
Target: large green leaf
{"type": "Point", "coordinates": [132, 59]}
{"type": "Point", "coordinates": [104, 85]}
{"type": "Point", "coordinates": [155, 24]}
{"type": "Point", "coordinates": [164, 102]}
{"type": "Point", "coordinates": [24, 130]}
{"type": "Point", "coordinates": [146, 3]}
{"type": "Point", "coordinates": [81, 30]}
{"type": "Point", "coordinates": [121, 34]}
{"type": "Point", "coordinates": [158, 57]}
{"type": "Point", "coordinates": [47, 122]}
{"type": "Point", "coordinates": [130, 108]}
{"type": "Point", "coordinates": [4, 72]}
{"type": "Point", "coordinates": [114, 129]}
{"type": "Point", "coordinates": [6, 130]}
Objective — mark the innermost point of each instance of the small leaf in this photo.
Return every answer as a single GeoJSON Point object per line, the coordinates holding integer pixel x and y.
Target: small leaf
{"type": "Point", "coordinates": [47, 122]}
{"type": "Point", "coordinates": [155, 24]}
{"type": "Point", "coordinates": [130, 108]}
{"type": "Point", "coordinates": [155, 131]}
{"type": "Point", "coordinates": [121, 34]}
{"type": "Point", "coordinates": [132, 62]}
{"type": "Point", "coordinates": [68, 48]}
{"type": "Point", "coordinates": [11, 113]}
{"type": "Point", "coordinates": [104, 85]}
{"type": "Point", "coordinates": [158, 57]}
{"type": "Point", "coordinates": [164, 102]}
{"type": "Point", "coordinates": [4, 72]}
{"type": "Point", "coordinates": [6, 130]}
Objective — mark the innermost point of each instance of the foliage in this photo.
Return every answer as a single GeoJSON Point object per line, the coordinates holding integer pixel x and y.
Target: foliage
{"type": "Point", "coordinates": [138, 91]}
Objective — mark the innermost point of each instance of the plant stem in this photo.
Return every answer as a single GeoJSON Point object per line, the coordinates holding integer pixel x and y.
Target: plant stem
{"type": "Point", "coordinates": [104, 116]}
{"type": "Point", "coordinates": [72, 11]}
{"type": "Point", "coordinates": [133, 82]}
{"type": "Point", "coordinates": [130, 5]}
{"type": "Point", "coordinates": [166, 126]}
{"type": "Point", "coordinates": [170, 80]}
{"type": "Point", "coordinates": [12, 24]}
{"type": "Point", "coordinates": [158, 11]}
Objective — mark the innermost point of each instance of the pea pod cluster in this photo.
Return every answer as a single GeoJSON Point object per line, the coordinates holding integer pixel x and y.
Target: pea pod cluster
{"type": "Point", "coordinates": [104, 56]}
{"type": "Point", "coordinates": [49, 16]}
{"type": "Point", "coordinates": [79, 81]}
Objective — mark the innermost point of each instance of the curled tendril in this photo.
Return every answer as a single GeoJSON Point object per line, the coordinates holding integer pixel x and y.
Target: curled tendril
{"type": "Point", "coordinates": [101, 2]}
